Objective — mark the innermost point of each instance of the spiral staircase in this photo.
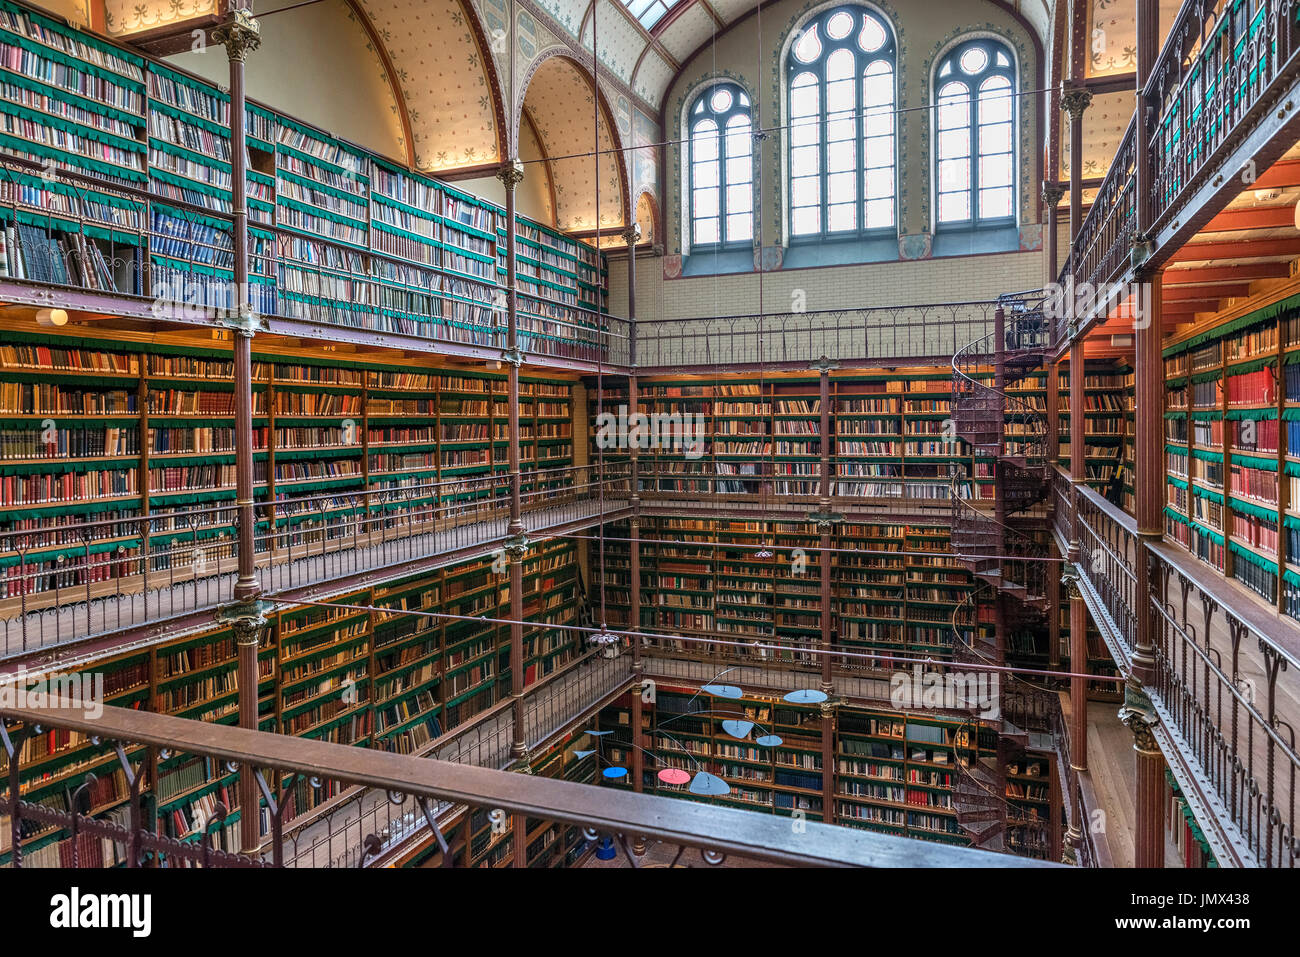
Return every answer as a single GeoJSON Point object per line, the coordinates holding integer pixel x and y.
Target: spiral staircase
{"type": "Point", "coordinates": [988, 540]}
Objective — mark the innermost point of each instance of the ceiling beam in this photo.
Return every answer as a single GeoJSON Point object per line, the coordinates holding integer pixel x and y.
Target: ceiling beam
{"type": "Point", "coordinates": [1205, 293]}
{"type": "Point", "coordinates": [1252, 217]}
{"type": "Point", "coordinates": [1193, 252]}
{"type": "Point", "coordinates": [1215, 274]}
{"type": "Point", "coordinates": [1281, 174]}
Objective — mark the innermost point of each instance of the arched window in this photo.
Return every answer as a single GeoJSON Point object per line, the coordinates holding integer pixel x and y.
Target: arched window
{"type": "Point", "coordinates": [721, 167]}
{"type": "Point", "coordinates": [840, 71]}
{"type": "Point", "coordinates": [975, 134]}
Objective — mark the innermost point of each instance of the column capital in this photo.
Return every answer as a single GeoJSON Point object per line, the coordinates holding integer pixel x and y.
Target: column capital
{"type": "Point", "coordinates": [1074, 100]}
{"type": "Point", "coordinates": [240, 34]}
{"type": "Point", "coordinates": [1140, 717]}
{"type": "Point", "coordinates": [1052, 194]}
{"type": "Point", "coordinates": [511, 173]}
{"type": "Point", "coordinates": [632, 235]}
{"type": "Point", "coordinates": [246, 619]}
{"type": "Point", "coordinates": [1070, 579]}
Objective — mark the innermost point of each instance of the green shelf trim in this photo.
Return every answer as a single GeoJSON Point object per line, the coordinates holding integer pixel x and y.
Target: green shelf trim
{"type": "Point", "coordinates": [128, 503]}
{"type": "Point", "coordinates": [1175, 515]}
{"type": "Point", "coordinates": [1246, 555]}
{"type": "Point", "coordinates": [67, 226]}
{"type": "Point", "coordinates": [323, 214]}
{"type": "Point", "coordinates": [1291, 413]}
{"type": "Point", "coordinates": [1205, 493]}
{"type": "Point", "coordinates": [1292, 468]}
{"type": "Point", "coordinates": [74, 159]}
{"type": "Point", "coordinates": [1291, 358]}
{"type": "Point", "coordinates": [1207, 415]}
{"type": "Point", "coordinates": [456, 224]}
{"type": "Point", "coordinates": [77, 65]}
{"type": "Point", "coordinates": [384, 227]}
{"type": "Point", "coordinates": [1205, 377]}
{"type": "Point", "coordinates": [189, 81]}
{"type": "Point", "coordinates": [417, 211]}
{"type": "Point", "coordinates": [1290, 577]}
{"type": "Point", "coordinates": [184, 116]}
{"type": "Point", "coordinates": [1290, 521]}
{"type": "Point", "coordinates": [1255, 462]}
{"type": "Point", "coordinates": [1254, 414]}
{"type": "Point", "coordinates": [68, 551]}
{"type": "Point", "coordinates": [317, 161]}
{"type": "Point", "coordinates": [58, 93]}
{"type": "Point", "coordinates": [175, 179]}
{"type": "Point", "coordinates": [1175, 415]}
{"type": "Point", "coordinates": [1253, 510]}
{"type": "Point", "coordinates": [1283, 308]}
{"type": "Point", "coordinates": [54, 186]}
{"type": "Point", "coordinates": [1246, 368]}
{"type": "Point", "coordinates": [72, 126]}
{"type": "Point", "coordinates": [1209, 533]}
{"type": "Point", "coordinates": [172, 211]}
{"type": "Point", "coordinates": [1175, 481]}
{"type": "Point", "coordinates": [318, 136]}
{"type": "Point", "coordinates": [331, 190]}
{"type": "Point", "coordinates": [188, 154]}
{"type": "Point", "coordinates": [1206, 456]}
{"type": "Point", "coordinates": [206, 270]}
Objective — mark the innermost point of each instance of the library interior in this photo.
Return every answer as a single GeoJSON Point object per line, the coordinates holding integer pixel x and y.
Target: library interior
{"type": "Point", "coordinates": [574, 434]}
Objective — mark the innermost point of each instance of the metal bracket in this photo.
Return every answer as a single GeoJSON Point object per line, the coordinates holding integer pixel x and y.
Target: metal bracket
{"type": "Point", "coordinates": [1141, 248]}
{"type": "Point", "coordinates": [516, 547]}
{"type": "Point", "coordinates": [824, 518]}
{"type": "Point", "coordinates": [824, 364]}
{"type": "Point", "coordinates": [246, 321]}
{"type": "Point", "coordinates": [514, 357]}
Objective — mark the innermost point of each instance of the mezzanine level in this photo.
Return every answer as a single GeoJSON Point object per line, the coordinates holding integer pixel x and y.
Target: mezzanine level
{"type": "Point", "coordinates": [1227, 676]}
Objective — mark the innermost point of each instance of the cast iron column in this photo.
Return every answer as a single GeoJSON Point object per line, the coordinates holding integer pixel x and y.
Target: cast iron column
{"type": "Point", "coordinates": [240, 34]}
{"type": "Point", "coordinates": [511, 175]}
{"type": "Point", "coordinates": [639, 688]}
{"type": "Point", "coordinates": [1137, 713]}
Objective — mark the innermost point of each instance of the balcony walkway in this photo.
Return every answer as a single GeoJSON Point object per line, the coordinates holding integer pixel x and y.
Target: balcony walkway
{"type": "Point", "coordinates": [135, 602]}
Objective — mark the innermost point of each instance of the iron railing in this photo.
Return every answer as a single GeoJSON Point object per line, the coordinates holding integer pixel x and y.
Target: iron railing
{"type": "Point", "coordinates": [70, 582]}
{"type": "Point", "coordinates": [796, 339]}
{"type": "Point", "coordinates": [1225, 674]}
{"type": "Point", "coordinates": [138, 738]}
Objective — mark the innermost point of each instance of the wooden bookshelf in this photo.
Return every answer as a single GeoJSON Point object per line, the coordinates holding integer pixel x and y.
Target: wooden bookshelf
{"type": "Point", "coordinates": [337, 234]}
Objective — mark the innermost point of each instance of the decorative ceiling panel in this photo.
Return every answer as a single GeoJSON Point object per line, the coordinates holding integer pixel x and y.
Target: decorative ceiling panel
{"type": "Point", "coordinates": [653, 77]}
{"type": "Point", "coordinates": [443, 80]}
{"type": "Point", "coordinates": [562, 106]}
{"type": "Point", "coordinates": [567, 13]}
{"type": "Point", "coordinates": [683, 34]}
{"type": "Point", "coordinates": [1104, 123]}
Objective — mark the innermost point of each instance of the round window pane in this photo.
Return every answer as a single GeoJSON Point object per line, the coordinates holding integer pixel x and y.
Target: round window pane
{"type": "Point", "coordinates": [872, 36]}
{"type": "Point", "coordinates": [809, 46]}
{"type": "Point", "coordinates": [720, 101]}
{"type": "Point", "coordinates": [838, 26]}
{"type": "Point", "coordinates": [974, 60]}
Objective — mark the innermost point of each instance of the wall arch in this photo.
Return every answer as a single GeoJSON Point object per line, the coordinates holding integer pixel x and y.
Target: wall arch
{"type": "Point", "coordinates": [558, 94]}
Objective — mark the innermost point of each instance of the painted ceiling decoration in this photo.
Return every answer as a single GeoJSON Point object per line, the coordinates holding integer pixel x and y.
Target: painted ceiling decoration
{"type": "Point", "coordinates": [444, 78]}
{"type": "Point", "coordinates": [560, 104]}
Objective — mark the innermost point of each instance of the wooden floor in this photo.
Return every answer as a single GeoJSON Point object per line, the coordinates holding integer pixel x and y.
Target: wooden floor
{"type": "Point", "coordinates": [1111, 762]}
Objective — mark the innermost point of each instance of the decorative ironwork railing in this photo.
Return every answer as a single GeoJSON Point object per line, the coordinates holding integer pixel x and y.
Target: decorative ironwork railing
{"type": "Point", "coordinates": [1226, 674]}
{"type": "Point", "coordinates": [68, 582]}
{"type": "Point", "coordinates": [1211, 79]}
{"type": "Point", "coordinates": [136, 739]}
{"type": "Point", "coordinates": [932, 332]}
